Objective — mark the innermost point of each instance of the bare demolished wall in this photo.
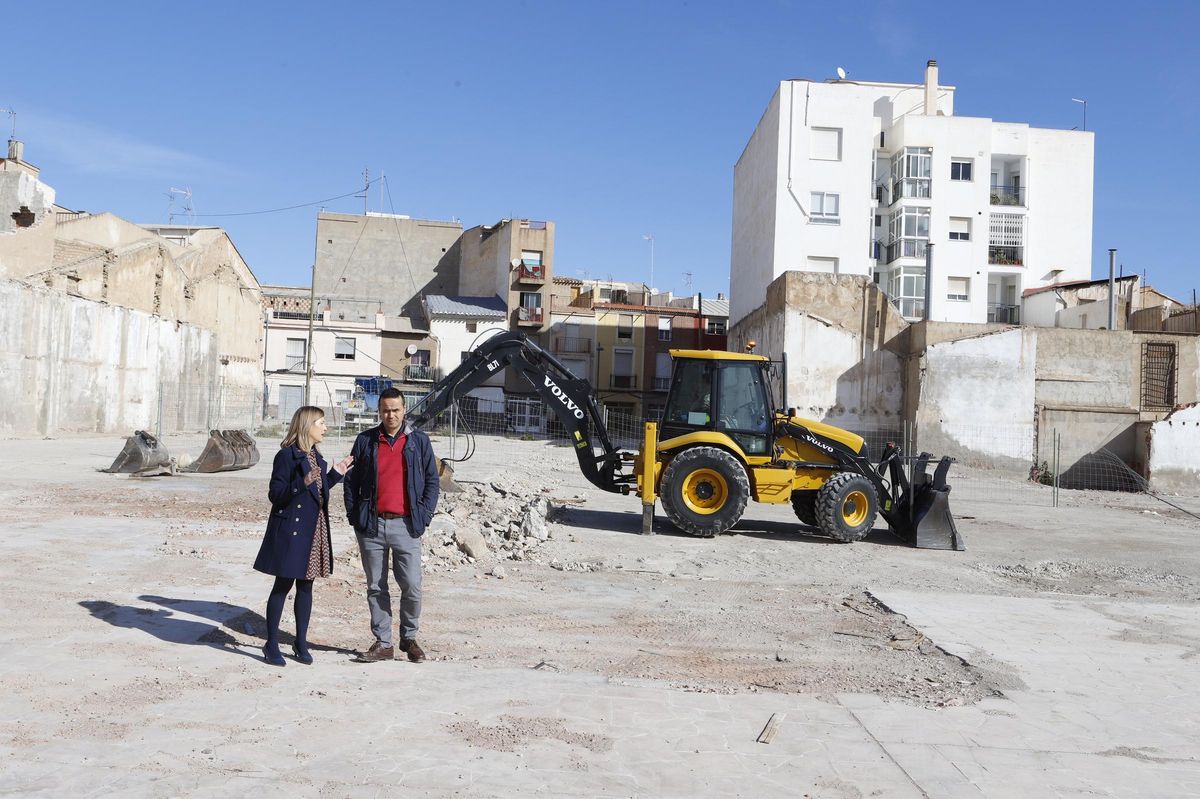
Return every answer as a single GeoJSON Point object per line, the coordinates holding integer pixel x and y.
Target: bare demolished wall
{"type": "Point", "coordinates": [841, 339]}
{"type": "Point", "coordinates": [975, 399]}
{"type": "Point", "coordinates": [1174, 451]}
{"type": "Point", "coordinates": [73, 365]}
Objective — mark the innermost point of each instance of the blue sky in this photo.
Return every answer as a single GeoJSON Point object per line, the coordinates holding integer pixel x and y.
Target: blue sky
{"type": "Point", "coordinates": [614, 120]}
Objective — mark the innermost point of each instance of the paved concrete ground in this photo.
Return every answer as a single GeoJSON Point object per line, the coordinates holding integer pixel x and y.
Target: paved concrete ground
{"type": "Point", "coordinates": [131, 666]}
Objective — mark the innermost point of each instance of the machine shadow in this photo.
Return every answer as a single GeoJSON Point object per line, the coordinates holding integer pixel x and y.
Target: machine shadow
{"type": "Point", "coordinates": [795, 531]}
{"type": "Point", "coordinates": [630, 522]}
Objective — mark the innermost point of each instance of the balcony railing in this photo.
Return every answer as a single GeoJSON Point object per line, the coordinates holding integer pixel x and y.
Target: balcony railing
{"type": "Point", "coordinates": [911, 188]}
{"type": "Point", "coordinates": [526, 315]}
{"type": "Point", "coordinates": [1008, 195]}
{"type": "Point", "coordinates": [906, 248]}
{"type": "Point", "coordinates": [418, 372]}
{"type": "Point", "coordinates": [1006, 256]}
{"type": "Point", "coordinates": [662, 384]}
{"type": "Point", "coordinates": [572, 344]}
{"type": "Point", "coordinates": [532, 272]}
{"type": "Point", "coordinates": [296, 363]}
{"type": "Point", "coordinates": [1004, 314]}
{"type": "Point", "coordinates": [622, 381]}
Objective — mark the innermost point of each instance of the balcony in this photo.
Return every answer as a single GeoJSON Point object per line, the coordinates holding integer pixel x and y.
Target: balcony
{"type": "Point", "coordinates": [622, 381]}
{"type": "Point", "coordinates": [906, 248]}
{"type": "Point", "coordinates": [529, 316]}
{"type": "Point", "coordinates": [1008, 195]}
{"type": "Point", "coordinates": [1004, 314]}
{"type": "Point", "coordinates": [910, 307]}
{"type": "Point", "coordinates": [1006, 256]}
{"type": "Point", "coordinates": [572, 344]}
{"type": "Point", "coordinates": [532, 273]}
{"type": "Point", "coordinates": [912, 189]}
{"type": "Point", "coordinates": [418, 373]}
{"type": "Point", "coordinates": [662, 384]}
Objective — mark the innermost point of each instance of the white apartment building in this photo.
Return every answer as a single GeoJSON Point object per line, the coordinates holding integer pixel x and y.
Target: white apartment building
{"type": "Point", "coordinates": [341, 351]}
{"type": "Point", "coordinates": [856, 177]}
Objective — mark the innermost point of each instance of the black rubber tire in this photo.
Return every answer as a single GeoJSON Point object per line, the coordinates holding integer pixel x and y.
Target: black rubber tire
{"type": "Point", "coordinates": [672, 484]}
{"type": "Point", "coordinates": [831, 504]}
{"type": "Point", "coordinates": [804, 503]}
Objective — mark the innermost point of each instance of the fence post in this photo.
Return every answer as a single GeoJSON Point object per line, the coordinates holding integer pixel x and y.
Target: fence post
{"type": "Point", "coordinates": [1057, 462]}
{"type": "Point", "coordinates": [159, 425]}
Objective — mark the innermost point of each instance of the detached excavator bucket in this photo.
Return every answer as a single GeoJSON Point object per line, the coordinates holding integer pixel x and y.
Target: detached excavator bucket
{"type": "Point", "coordinates": [921, 515]}
{"type": "Point", "coordinates": [142, 452]}
{"type": "Point", "coordinates": [446, 476]}
{"type": "Point", "coordinates": [226, 450]}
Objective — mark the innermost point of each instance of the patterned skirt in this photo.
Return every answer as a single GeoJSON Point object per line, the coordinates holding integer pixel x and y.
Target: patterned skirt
{"type": "Point", "coordinates": [320, 559]}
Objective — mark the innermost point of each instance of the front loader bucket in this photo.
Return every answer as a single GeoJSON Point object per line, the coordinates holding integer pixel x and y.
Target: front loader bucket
{"type": "Point", "coordinates": [928, 524]}
{"type": "Point", "coordinates": [921, 516]}
{"type": "Point", "coordinates": [142, 452]}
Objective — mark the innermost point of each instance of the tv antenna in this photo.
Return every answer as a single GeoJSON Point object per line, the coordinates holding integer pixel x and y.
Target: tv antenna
{"type": "Point", "coordinates": [184, 196]}
{"type": "Point", "coordinates": [687, 282]}
{"type": "Point", "coordinates": [12, 115]}
{"type": "Point", "coordinates": [366, 188]}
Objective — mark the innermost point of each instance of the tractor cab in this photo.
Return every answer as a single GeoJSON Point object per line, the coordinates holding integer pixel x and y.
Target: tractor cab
{"type": "Point", "coordinates": [723, 392]}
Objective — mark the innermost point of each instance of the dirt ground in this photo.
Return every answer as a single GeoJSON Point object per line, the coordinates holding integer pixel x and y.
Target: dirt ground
{"type": "Point", "coordinates": [771, 607]}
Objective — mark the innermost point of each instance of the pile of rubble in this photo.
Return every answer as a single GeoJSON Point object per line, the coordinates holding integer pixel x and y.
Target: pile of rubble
{"type": "Point", "coordinates": [488, 522]}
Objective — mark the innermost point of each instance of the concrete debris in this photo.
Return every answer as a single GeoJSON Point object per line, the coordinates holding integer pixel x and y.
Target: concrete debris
{"type": "Point", "coordinates": [499, 520]}
{"type": "Point", "coordinates": [471, 542]}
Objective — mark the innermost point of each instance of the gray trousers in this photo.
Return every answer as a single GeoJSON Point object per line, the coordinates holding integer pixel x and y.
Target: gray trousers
{"type": "Point", "coordinates": [394, 535]}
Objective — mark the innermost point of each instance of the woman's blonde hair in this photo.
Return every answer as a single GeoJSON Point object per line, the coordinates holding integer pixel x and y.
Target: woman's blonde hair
{"type": "Point", "coordinates": [302, 420]}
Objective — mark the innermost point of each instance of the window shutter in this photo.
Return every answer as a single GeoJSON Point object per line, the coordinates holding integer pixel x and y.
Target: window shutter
{"type": "Point", "coordinates": [826, 144]}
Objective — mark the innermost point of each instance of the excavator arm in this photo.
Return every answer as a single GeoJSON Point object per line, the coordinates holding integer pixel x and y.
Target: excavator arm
{"type": "Point", "coordinates": [571, 398]}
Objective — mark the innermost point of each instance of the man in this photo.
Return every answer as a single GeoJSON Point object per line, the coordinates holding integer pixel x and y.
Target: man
{"type": "Point", "coordinates": [390, 499]}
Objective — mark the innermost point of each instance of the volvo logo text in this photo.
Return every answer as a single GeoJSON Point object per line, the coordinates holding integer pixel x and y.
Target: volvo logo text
{"type": "Point", "coordinates": [575, 410]}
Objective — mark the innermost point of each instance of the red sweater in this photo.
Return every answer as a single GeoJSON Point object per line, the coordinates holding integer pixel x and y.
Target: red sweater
{"type": "Point", "coordinates": [393, 486]}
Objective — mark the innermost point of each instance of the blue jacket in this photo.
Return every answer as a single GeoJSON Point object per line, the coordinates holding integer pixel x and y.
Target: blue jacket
{"type": "Point", "coordinates": [294, 508]}
{"type": "Point", "coordinates": [421, 475]}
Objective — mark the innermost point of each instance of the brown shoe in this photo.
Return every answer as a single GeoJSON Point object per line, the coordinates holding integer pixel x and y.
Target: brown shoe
{"type": "Point", "coordinates": [414, 651]}
{"type": "Point", "coordinates": [378, 651]}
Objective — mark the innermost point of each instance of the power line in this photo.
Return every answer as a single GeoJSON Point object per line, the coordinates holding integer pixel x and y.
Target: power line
{"type": "Point", "coordinates": [400, 237]}
{"type": "Point", "coordinates": [292, 207]}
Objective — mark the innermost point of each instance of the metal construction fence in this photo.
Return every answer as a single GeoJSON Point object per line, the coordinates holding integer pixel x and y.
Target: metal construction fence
{"type": "Point", "coordinates": [200, 407]}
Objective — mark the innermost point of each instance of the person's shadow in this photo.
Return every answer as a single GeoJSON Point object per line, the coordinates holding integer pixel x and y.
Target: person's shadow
{"type": "Point", "coordinates": [164, 624]}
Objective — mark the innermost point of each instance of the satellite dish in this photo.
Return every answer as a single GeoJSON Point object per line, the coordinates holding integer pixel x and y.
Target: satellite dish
{"type": "Point", "coordinates": [841, 73]}
{"type": "Point", "coordinates": [411, 350]}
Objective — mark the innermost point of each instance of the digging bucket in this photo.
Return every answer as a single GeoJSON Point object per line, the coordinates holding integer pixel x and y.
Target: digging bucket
{"type": "Point", "coordinates": [142, 451]}
{"type": "Point", "coordinates": [218, 455]}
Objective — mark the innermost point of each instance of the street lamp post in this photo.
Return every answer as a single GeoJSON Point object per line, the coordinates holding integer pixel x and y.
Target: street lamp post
{"type": "Point", "coordinates": [650, 238]}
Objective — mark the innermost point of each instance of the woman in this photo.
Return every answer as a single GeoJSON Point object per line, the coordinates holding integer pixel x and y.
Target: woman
{"type": "Point", "coordinates": [297, 546]}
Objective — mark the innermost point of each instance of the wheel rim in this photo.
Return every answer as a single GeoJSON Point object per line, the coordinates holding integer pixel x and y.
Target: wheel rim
{"type": "Point", "coordinates": [705, 491]}
{"type": "Point", "coordinates": [854, 508]}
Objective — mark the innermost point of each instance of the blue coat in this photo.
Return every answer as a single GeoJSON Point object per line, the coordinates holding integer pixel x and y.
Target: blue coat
{"type": "Point", "coordinates": [421, 475]}
{"type": "Point", "coordinates": [294, 507]}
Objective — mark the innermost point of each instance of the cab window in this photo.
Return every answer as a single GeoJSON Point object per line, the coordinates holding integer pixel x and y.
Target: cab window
{"type": "Point", "coordinates": [690, 402]}
{"type": "Point", "coordinates": [742, 405]}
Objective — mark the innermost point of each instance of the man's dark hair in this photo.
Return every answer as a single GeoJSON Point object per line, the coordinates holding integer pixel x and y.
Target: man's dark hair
{"type": "Point", "coordinates": [392, 393]}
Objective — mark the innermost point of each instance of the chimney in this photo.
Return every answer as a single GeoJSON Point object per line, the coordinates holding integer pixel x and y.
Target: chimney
{"type": "Point", "coordinates": [16, 150]}
{"type": "Point", "coordinates": [931, 86]}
